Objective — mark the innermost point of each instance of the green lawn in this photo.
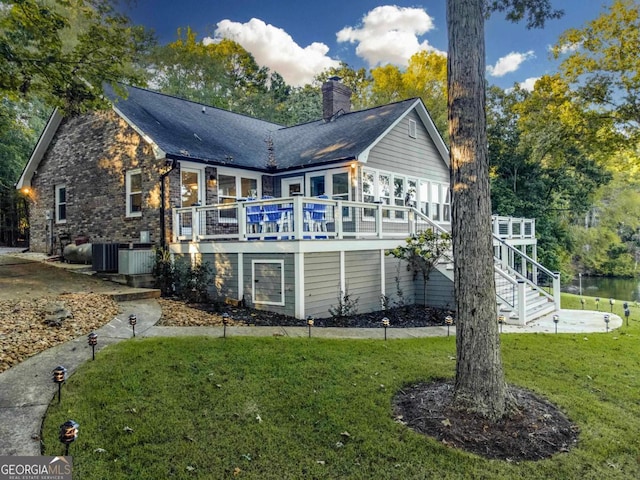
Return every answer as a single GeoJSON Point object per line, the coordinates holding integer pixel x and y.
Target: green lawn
{"type": "Point", "coordinates": [278, 408]}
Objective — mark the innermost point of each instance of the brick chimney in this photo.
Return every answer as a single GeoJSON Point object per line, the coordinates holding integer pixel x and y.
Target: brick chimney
{"type": "Point", "coordinates": [336, 97]}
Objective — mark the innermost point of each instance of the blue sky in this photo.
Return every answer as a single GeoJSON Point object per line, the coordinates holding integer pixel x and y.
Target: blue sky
{"type": "Point", "coordinates": [299, 39]}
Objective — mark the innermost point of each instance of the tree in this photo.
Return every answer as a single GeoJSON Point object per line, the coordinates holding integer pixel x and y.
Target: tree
{"type": "Point", "coordinates": [480, 385]}
{"type": "Point", "coordinates": [423, 252]}
{"type": "Point", "coordinates": [64, 50]}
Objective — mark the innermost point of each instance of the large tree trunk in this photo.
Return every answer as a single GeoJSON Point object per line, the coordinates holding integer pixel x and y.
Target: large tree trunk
{"type": "Point", "coordinates": [480, 386]}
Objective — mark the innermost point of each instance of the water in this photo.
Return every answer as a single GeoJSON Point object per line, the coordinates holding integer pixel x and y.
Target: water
{"type": "Point", "coordinates": [620, 288]}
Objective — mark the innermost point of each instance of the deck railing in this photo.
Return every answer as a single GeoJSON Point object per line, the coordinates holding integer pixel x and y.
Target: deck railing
{"type": "Point", "coordinates": [305, 218]}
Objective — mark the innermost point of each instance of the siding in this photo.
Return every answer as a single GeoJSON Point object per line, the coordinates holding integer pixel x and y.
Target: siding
{"type": "Point", "coordinates": [225, 275]}
{"type": "Point", "coordinates": [398, 278]}
{"type": "Point", "coordinates": [322, 283]}
{"type": "Point", "coordinates": [362, 279]}
{"type": "Point", "coordinates": [419, 157]}
{"type": "Point", "coordinates": [440, 292]}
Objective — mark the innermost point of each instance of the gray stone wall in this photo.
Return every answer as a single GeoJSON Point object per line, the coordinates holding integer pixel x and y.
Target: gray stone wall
{"type": "Point", "coordinates": [90, 155]}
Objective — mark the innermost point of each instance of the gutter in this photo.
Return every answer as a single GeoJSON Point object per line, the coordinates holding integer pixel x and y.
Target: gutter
{"type": "Point", "coordinates": [163, 222]}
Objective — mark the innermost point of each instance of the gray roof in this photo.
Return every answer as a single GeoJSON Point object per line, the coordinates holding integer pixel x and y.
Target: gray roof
{"type": "Point", "coordinates": [193, 131]}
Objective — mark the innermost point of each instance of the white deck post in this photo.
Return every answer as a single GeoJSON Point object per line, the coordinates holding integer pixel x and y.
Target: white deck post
{"type": "Point", "coordinates": [195, 224]}
{"type": "Point", "coordinates": [522, 302]}
{"type": "Point", "coordinates": [298, 217]}
{"type": "Point", "coordinates": [242, 221]}
{"type": "Point", "coordinates": [556, 290]}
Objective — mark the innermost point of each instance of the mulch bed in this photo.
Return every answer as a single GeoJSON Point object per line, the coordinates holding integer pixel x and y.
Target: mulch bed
{"type": "Point", "coordinates": [536, 431]}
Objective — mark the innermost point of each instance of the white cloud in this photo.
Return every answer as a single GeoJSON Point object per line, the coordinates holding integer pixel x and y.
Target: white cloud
{"type": "Point", "coordinates": [509, 63]}
{"type": "Point", "coordinates": [389, 34]}
{"type": "Point", "coordinates": [567, 48]}
{"type": "Point", "coordinates": [529, 83]}
{"type": "Point", "coordinates": [274, 48]}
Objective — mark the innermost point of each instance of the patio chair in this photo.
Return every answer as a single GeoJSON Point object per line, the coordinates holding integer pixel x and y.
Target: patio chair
{"type": "Point", "coordinates": [254, 218]}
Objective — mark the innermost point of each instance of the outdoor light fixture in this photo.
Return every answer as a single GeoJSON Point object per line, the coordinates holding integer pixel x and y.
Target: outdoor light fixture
{"type": "Point", "coordinates": [598, 303]}
{"type": "Point", "coordinates": [132, 321]}
{"type": "Point", "coordinates": [448, 321]}
{"type": "Point", "coordinates": [556, 319]}
{"type": "Point", "coordinates": [606, 321]}
{"type": "Point", "coordinates": [93, 341]}
{"type": "Point", "coordinates": [611, 302]}
{"type": "Point", "coordinates": [582, 302]}
{"type": "Point", "coordinates": [225, 322]}
{"type": "Point", "coordinates": [68, 434]}
{"type": "Point", "coordinates": [310, 324]}
{"type": "Point", "coordinates": [59, 375]}
{"type": "Point", "coordinates": [385, 324]}
{"type": "Point", "coordinates": [501, 320]}
{"type": "Point", "coordinates": [627, 312]}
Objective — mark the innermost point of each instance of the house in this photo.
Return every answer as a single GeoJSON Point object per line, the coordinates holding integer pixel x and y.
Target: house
{"type": "Point", "coordinates": [290, 219]}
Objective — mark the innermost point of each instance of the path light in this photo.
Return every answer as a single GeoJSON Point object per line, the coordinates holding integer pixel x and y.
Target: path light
{"type": "Point", "coordinates": [59, 375]}
{"type": "Point", "coordinates": [625, 306]}
{"type": "Point", "coordinates": [225, 322]}
{"type": "Point", "coordinates": [556, 319]}
{"type": "Point", "coordinates": [310, 324]}
{"type": "Point", "coordinates": [627, 312]}
{"type": "Point", "coordinates": [68, 434]}
{"type": "Point", "coordinates": [448, 321]}
{"type": "Point", "coordinates": [132, 321]}
{"type": "Point", "coordinates": [501, 319]}
{"type": "Point", "coordinates": [385, 324]}
{"type": "Point", "coordinates": [93, 341]}
{"type": "Point", "coordinates": [598, 303]}
{"type": "Point", "coordinates": [582, 302]}
{"type": "Point", "coordinates": [611, 302]}
{"type": "Point", "coordinates": [606, 321]}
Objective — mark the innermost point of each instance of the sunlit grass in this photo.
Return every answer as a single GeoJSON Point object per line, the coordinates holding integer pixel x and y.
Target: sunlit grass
{"type": "Point", "coordinates": [281, 408]}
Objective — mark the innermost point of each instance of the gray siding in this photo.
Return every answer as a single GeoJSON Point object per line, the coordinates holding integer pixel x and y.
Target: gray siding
{"type": "Point", "coordinates": [397, 277]}
{"type": "Point", "coordinates": [322, 283]}
{"type": "Point", "coordinates": [419, 157]}
{"type": "Point", "coordinates": [439, 291]}
{"type": "Point", "coordinates": [225, 275]}
{"type": "Point", "coordinates": [362, 279]}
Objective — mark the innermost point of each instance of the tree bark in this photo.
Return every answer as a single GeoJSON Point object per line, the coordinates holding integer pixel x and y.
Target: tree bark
{"type": "Point", "coordinates": [479, 385]}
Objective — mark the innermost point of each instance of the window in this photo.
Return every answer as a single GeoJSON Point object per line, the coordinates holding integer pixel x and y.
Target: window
{"type": "Point", "coordinates": [398, 195]}
{"type": "Point", "coordinates": [231, 186]}
{"type": "Point", "coordinates": [446, 208]}
{"type": "Point", "coordinates": [190, 187]}
{"type": "Point", "coordinates": [435, 202]}
{"type": "Point", "coordinates": [317, 186]}
{"type": "Point", "coordinates": [134, 193]}
{"type": "Point", "coordinates": [61, 203]}
{"type": "Point", "coordinates": [423, 195]}
{"type": "Point", "coordinates": [268, 281]}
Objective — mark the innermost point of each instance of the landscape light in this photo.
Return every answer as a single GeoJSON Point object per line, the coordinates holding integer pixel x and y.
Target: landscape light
{"type": "Point", "coordinates": [385, 324]}
{"type": "Point", "coordinates": [310, 324]}
{"type": "Point", "coordinates": [132, 321]}
{"type": "Point", "coordinates": [611, 302]}
{"type": "Point", "coordinates": [59, 375]}
{"type": "Point", "coordinates": [225, 322]}
{"type": "Point", "coordinates": [582, 302]}
{"type": "Point", "coordinates": [448, 320]}
{"type": "Point", "coordinates": [606, 321]}
{"type": "Point", "coordinates": [556, 319]}
{"type": "Point", "coordinates": [68, 434]}
{"type": "Point", "coordinates": [501, 320]}
{"type": "Point", "coordinates": [93, 341]}
{"type": "Point", "coordinates": [627, 312]}
{"type": "Point", "coordinates": [598, 303]}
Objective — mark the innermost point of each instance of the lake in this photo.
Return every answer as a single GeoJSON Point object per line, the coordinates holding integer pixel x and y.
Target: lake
{"type": "Point", "coordinates": [604, 287]}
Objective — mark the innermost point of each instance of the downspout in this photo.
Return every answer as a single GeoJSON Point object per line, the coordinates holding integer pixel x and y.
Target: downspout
{"type": "Point", "coordinates": [163, 221]}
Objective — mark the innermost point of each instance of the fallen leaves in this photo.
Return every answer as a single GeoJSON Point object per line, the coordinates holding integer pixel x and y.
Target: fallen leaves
{"type": "Point", "coordinates": [24, 333]}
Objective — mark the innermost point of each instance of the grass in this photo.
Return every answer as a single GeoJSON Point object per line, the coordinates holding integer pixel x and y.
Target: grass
{"type": "Point", "coordinates": [278, 408]}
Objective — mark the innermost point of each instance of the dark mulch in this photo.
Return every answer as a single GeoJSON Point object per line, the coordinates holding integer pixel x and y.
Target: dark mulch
{"type": "Point", "coordinates": [537, 430]}
{"type": "Point", "coordinates": [399, 317]}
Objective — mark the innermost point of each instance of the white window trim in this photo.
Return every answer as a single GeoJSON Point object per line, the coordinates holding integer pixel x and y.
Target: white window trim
{"type": "Point", "coordinates": [413, 129]}
{"type": "Point", "coordinates": [200, 173]}
{"type": "Point", "coordinates": [253, 282]}
{"type": "Point", "coordinates": [57, 203]}
{"type": "Point", "coordinates": [129, 174]}
{"type": "Point", "coordinates": [238, 174]}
